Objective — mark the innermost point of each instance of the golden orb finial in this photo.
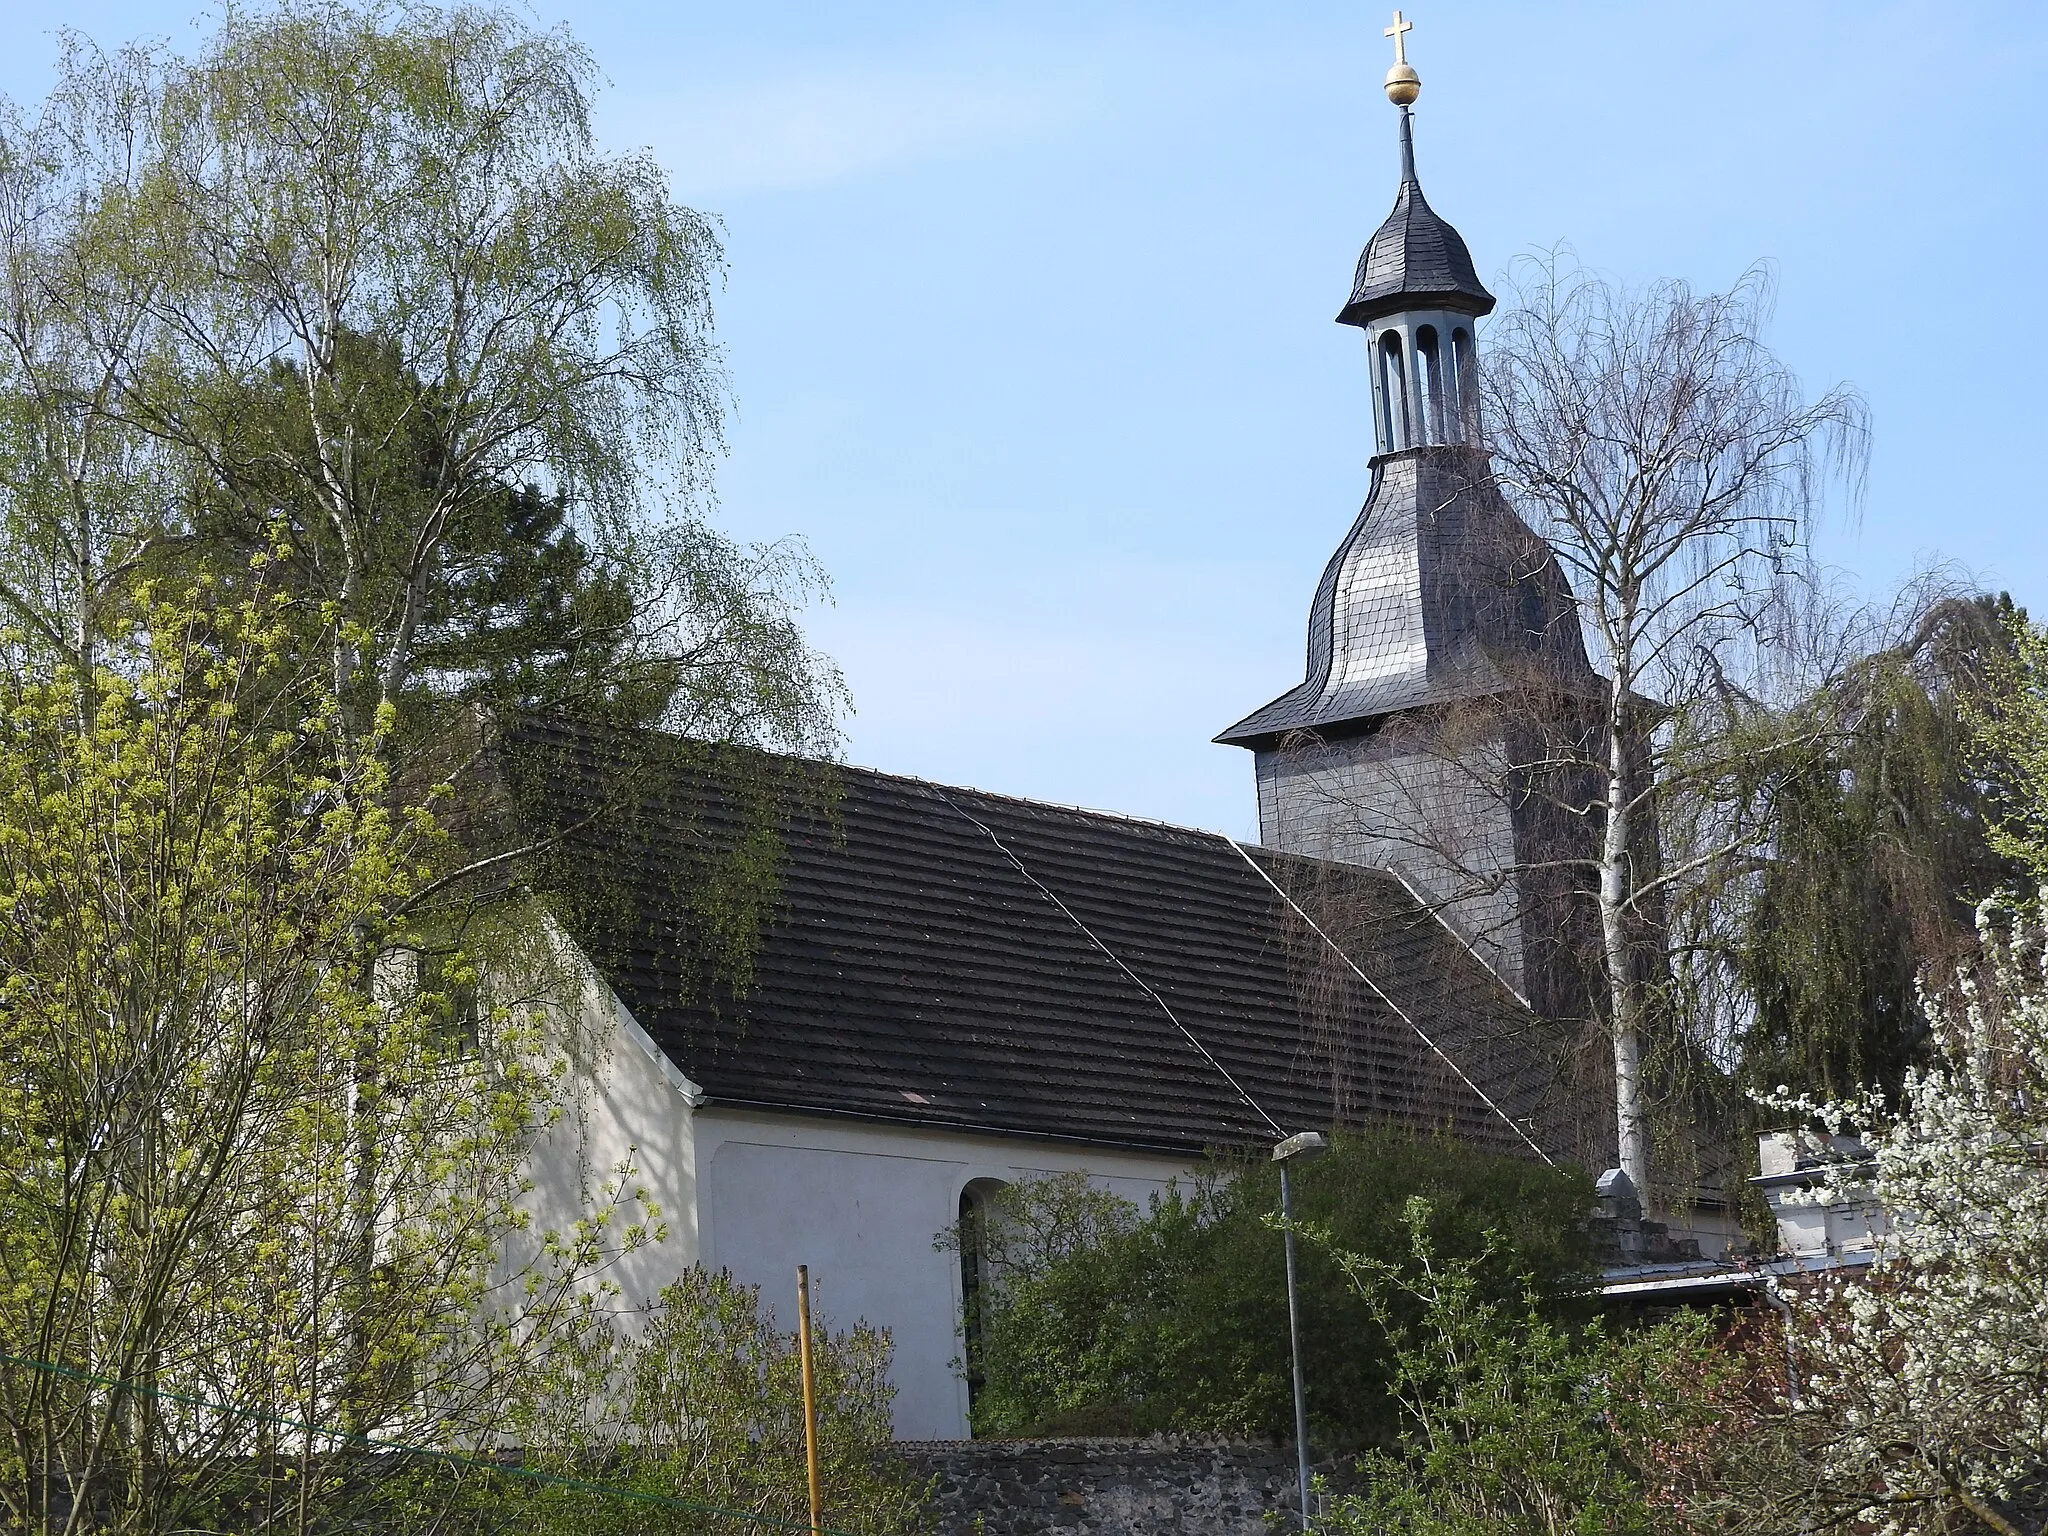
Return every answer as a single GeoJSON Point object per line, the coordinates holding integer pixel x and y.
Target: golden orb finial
{"type": "Point", "coordinates": [1403, 84]}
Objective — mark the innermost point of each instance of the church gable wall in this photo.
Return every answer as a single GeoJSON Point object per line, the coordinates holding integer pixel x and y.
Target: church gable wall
{"type": "Point", "coordinates": [758, 1193]}
{"type": "Point", "coordinates": [626, 1104]}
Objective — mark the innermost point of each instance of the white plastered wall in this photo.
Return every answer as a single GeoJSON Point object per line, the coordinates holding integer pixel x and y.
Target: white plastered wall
{"type": "Point", "coordinates": [625, 1105]}
{"type": "Point", "coordinates": [861, 1203]}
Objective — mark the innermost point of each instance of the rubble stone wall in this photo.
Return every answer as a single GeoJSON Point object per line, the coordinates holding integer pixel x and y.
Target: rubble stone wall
{"type": "Point", "coordinates": [1202, 1487]}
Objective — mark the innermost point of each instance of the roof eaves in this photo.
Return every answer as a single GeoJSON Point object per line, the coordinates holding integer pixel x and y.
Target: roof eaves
{"type": "Point", "coordinates": [1177, 1147]}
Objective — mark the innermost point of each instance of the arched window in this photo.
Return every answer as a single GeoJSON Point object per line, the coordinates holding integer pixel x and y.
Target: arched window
{"type": "Point", "coordinates": [976, 1276]}
{"type": "Point", "coordinates": [1382, 403]}
{"type": "Point", "coordinates": [1429, 379]}
{"type": "Point", "coordinates": [1394, 391]}
{"type": "Point", "coordinates": [1468, 385]}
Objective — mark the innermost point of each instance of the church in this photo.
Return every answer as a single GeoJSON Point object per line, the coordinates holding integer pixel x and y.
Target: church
{"type": "Point", "coordinates": [959, 990]}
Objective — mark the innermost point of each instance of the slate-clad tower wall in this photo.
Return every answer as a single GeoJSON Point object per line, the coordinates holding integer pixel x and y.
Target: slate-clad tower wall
{"type": "Point", "coordinates": [1445, 663]}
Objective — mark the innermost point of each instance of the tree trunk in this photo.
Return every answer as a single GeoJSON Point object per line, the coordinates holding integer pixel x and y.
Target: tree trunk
{"type": "Point", "coordinates": [1624, 992]}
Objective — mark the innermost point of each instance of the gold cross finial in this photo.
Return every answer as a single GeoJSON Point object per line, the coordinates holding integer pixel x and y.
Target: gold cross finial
{"type": "Point", "coordinates": [1402, 86]}
{"type": "Point", "coordinates": [1399, 33]}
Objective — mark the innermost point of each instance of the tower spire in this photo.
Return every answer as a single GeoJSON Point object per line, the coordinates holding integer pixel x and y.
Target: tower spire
{"type": "Point", "coordinates": [1403, 85]}
{"type": "Point", "coordinates": [1416, 262]}
{"type": "Point", "coordinates": [1438, 596]}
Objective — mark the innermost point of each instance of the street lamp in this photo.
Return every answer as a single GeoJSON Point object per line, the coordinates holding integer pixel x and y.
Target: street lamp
{"type": "Point", "coordinates": [1299, 1147]}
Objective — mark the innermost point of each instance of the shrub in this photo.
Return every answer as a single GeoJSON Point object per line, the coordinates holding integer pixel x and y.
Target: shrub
{"type": "Point", "coordinates": [1512, 1424]}
{"type": "Point", "coordinates": [696, 1425]}
{"type": "Point", "coordinates": [1099, 1317]}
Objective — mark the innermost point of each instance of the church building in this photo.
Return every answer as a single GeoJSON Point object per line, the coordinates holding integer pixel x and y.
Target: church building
{"type": "Point", "coordinates": [960, 990]}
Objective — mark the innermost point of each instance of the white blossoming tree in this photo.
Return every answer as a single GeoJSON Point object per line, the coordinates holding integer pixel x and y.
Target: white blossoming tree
{"type": "Point", "coordinates": [1923, 1401]}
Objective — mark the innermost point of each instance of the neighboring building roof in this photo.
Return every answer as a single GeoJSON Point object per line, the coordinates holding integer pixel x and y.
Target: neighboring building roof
{"type": "Point", "coordinates": [1705, 1281]}
{"type": "Point", "coordinates": [1414, 260]}
{"type": "Point", "coordinates": [1438, 592]}
{"type": "Point", "coordinates": [936, 961]}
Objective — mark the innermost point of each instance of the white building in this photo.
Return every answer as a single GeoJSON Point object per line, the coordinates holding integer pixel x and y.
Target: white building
{"type": "Point", "coordinates": [963, 990]}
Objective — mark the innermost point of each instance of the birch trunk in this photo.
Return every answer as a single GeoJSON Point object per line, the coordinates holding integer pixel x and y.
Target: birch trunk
{"type": "Point", "coordinates": [1624, 992]}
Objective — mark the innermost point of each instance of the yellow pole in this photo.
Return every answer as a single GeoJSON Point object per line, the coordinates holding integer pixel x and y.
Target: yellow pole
{"type": "Point", "coordinates": [803, 1346]}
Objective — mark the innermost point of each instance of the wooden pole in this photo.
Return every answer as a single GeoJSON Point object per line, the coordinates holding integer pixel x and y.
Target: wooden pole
{"type": "Point", "coordinates": [803, 1346]}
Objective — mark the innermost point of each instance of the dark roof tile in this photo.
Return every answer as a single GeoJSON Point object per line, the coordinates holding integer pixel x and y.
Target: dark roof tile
{"type": "Point", "coordinates": [1438, 592]}
{"type": "Point", "coordinates": [1414, 260]}
{"type": "Point", "coordinates": [916, 973]}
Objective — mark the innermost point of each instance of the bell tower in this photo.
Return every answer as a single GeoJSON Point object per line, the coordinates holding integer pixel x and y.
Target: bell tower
{"type": "Point", "coordinates": [1445, 664]}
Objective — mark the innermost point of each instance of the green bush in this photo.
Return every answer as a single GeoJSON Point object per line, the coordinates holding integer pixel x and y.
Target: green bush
{"type": "Point", "coordinates": [1512, 1424]}
{"type": "Point", "coordinates": [699, 1430]}
{"type": "Point", "coordinates": [1096, 1317]}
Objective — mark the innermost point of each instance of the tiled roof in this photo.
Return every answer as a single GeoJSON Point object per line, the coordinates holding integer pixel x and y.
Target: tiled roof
{"type": "Point", "coordinates": [1438, 592]}
{"type": "Point", "coordinates": [1414, 260]}
{"type": "Point", "coordinates": [953, 958]}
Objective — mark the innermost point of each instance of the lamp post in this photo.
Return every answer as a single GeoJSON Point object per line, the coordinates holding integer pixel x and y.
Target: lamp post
{"type": "Point", "coordinates": [1301, 1146]}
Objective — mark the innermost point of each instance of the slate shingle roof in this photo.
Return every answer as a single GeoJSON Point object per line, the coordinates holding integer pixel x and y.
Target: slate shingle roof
{"type": "Point", "coordinates": [917, 973]}
{"type": "Point", "coordinates": [1438, 592]}
{"type": "Point", "coordinates": [1414, 260]}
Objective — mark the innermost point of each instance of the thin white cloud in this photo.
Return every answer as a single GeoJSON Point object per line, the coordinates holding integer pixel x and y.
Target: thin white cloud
{"type": "Point", "coordinates": [817, 120]}
{"type": "Point", "coordinates": [793, 132]}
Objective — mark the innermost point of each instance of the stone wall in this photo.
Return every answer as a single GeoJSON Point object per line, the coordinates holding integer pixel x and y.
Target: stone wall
{"type": "Point", "coordinates": [1398, 801]}
{"type": "Point", "coordinates": [1105, 1487]}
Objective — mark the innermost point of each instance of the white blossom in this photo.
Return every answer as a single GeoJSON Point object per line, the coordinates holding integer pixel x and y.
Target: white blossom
{"type": "Point", "coordinates": [1926, 1378]}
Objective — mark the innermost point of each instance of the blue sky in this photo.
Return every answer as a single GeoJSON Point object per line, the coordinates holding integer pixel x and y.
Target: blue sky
{"type": "Point", "coordinates": [1029, 313]}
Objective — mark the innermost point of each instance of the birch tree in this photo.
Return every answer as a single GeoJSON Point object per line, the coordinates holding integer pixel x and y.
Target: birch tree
{"type": "Point", "coordinates": [1675, 469]}
{"type": "Point", "coordinates": [330, 292]}
{"type": "Point", "coordinates": [83, 489]}
{"type": "Point", "coordinates": [349, 306]}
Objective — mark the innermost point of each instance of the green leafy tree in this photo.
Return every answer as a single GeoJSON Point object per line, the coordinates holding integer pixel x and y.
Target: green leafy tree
{"type": "Point", "coordinates": [2010, 719]}
{"type": "Point", "coordinates": [344, 322]}
{"type": "Point", "coordinates": [340, 288]}
{"type": "Point", "coordinates": [350, 297]}
{"type": "Point", "coordinates": [519, 608]}
{"type": "Point", "coordinates": [1882, 839]}
{"type": "Point", "coordinates": [1510, 1423]}
{"type": "Point", "coordinates": [347, 308]}
{"type": "Point", "coordinates": [1096, 1316]}
{"type": "Point", "coordinates": [260, 1175]}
